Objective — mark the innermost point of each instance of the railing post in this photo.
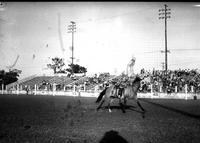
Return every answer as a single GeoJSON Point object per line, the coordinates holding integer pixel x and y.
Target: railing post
{"type": "Point", "coordinates": [54, 89]}
{"type": "Point", "coordinates": [63, 89]}
{"type": "Point", "coordinates": [192, 89]}
{"type": "Point", "coordinates": [79, 91]}
{"type": "Point", "coordinates": [2, 86]}
{"type": "Point", "coordinates": [6, 89]}
{"type": "Point", "coordinates": [74, 89]}
{"type": "Point", "coordinates": [84, 86]}
{"type": "Point", "coordinates": [17, 89]}
{"type": "Point", "coordinates": [20, 88]}
{"type": "Point", "coordinates": [160, 88]}
{"type": "Point", "coordinates": [35, 89]}
{"type": "Point", "coordinates": [176, 89]}
{"type": "Point", "coordinates": [151, 88]}
{"type": "Point", "coordinates": [186, 91]}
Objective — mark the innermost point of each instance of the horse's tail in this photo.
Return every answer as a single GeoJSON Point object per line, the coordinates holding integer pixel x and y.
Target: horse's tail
{"type": "Point", "coordinates": [101, 95]}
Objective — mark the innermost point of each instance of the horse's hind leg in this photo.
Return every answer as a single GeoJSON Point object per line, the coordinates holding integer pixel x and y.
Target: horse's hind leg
{"type": "Point", "coordinates": [100, 104]}
{"type": "Point", "coordinates": [125, 101]}
{"type": "Point", "coordinates": [140, 106]}
{"type": "Point", "coordinates": [122, 106]}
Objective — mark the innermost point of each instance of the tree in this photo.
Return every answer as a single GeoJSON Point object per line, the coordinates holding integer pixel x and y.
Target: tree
{"type": "Point", "coordinates": [75, 68]}
{"type": "Point", "coordinates": [9, 77]}
{"type": "Point", "coordinates": [56, 65]}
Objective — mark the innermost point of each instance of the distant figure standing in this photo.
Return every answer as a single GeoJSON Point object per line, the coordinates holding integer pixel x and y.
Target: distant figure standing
{"type": "Point", "coordinates": [129, 68]}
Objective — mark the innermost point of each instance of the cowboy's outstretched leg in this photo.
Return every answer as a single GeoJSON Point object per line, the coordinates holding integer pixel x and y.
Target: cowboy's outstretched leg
{"type": "Point", "coordinates": [100, 105]}
{"type": "Point", "coordinates": [140, 105]}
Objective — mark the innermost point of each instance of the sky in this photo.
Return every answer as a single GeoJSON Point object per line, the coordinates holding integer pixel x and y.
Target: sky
{"type": "Point", "coordinates": [107, 35]}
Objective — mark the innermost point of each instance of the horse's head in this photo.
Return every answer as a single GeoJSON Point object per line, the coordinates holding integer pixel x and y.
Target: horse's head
{"type": "Point", "coordinates": [135, 83]}
{"type": "Point", "coordinates": [137, 79]}
{"type": "Point", "coordinates": [132, 87]}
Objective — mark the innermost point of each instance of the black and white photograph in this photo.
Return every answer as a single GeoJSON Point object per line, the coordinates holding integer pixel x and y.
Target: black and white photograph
{"type": "Point", "coordinates": [99, 72]}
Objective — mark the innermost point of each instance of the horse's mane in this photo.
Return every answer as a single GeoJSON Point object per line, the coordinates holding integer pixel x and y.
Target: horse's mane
{"type": "Point", "coordinates": [136, 83]}
{"type": "Point", "coordinates": [137, 79]}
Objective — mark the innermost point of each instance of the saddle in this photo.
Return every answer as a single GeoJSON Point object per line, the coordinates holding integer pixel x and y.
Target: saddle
{"type": "Point", "coordinates": [120, 86]}
{"type": "Point", "coordinates": [119, 90]}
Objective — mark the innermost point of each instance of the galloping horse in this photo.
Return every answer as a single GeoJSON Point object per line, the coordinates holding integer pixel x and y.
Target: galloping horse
{"type": "Point", "coordinates": [108, 94]}
{"type": "Point", "coordinates": [130, 91]}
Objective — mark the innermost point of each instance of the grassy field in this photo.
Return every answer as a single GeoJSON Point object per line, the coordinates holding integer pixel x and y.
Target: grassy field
{"type": "Point", "coordinates": [62, 119]}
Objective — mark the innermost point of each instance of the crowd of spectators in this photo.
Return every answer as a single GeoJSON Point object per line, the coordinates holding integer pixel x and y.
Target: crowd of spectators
{"type": "Point", "coordinates": [171, 81]}
{"type": "Point", "coordinates": [162, 81]}
{"type": "Point", "coordinates": [159, 80]}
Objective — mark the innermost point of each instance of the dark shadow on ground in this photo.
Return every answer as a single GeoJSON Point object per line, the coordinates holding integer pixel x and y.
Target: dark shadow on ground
{"type": "Point", "coordinates": [173, 109]}
{"type": "Point", "coordinates": [112, 137]}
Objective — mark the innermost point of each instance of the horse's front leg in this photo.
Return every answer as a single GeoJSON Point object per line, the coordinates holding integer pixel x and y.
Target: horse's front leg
{"type": "Point", "coordinates": [100, 104]}
{"type": "Point", "coordinates": [140, 105]}
{"type": "Point", "coordinates": [125, 101]}
{"type": "Point", "coordinates": [110, 101]}
{"type": "Point", "coordinates": [143, 114]}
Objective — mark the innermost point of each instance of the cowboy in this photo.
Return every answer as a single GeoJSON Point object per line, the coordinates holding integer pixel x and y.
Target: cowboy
{"type": "Point", "coordinates": [129, 69]}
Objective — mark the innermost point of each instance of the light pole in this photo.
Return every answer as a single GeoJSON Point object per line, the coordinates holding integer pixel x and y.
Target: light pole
{"type": "Point", "coordinates": [72, 29]}
{"type": "Point", "coordinates": [164, 14]}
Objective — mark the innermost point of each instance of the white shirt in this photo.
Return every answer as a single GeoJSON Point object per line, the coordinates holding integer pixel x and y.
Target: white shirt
{"type": "Point", "coordinates": [129, 69]}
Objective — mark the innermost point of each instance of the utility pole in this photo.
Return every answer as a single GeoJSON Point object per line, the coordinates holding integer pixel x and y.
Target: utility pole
{"type": "Point", "coordinates": [72, 29]}
{"type": "Point", "coordinates": [163, 66]}
{"type": "Point", "coordinates": [164, 14]}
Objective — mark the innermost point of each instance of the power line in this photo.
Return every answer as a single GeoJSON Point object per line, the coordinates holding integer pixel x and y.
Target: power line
{"type": "Point", "coordinates": [187, 62]}
{"type": "Point", "coordinates": [195, 49]}
{"type": "Point", "coordinates": [179, 50]}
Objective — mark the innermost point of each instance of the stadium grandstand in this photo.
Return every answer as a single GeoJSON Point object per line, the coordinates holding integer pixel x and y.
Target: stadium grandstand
{"type": "Point", "coordinates": [157, 82]}
{"type": "Point", "coordinates": [57, 82]}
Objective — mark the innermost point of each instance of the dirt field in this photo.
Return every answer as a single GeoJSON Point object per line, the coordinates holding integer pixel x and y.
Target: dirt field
{"type": "Point", "coordinates": [62, 119]}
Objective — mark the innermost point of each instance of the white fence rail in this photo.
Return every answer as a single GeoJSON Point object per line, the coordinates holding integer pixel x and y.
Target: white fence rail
{"type": "Point", "coordinates": [185, 96]}
{"type": "Point", "coordinates": [94, 93]}
{"type": "Point", "coordinates": [91, 93]}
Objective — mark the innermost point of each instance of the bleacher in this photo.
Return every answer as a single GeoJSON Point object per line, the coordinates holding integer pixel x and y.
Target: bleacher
{"type": "Point", "coordinates": [61, 80]}
{"type": "Point", "coordinates": [79, 80]}
{"type": "Point", "coordinates": [37, 80]}
{"type": "Point", "coordinates": [20, 81]}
